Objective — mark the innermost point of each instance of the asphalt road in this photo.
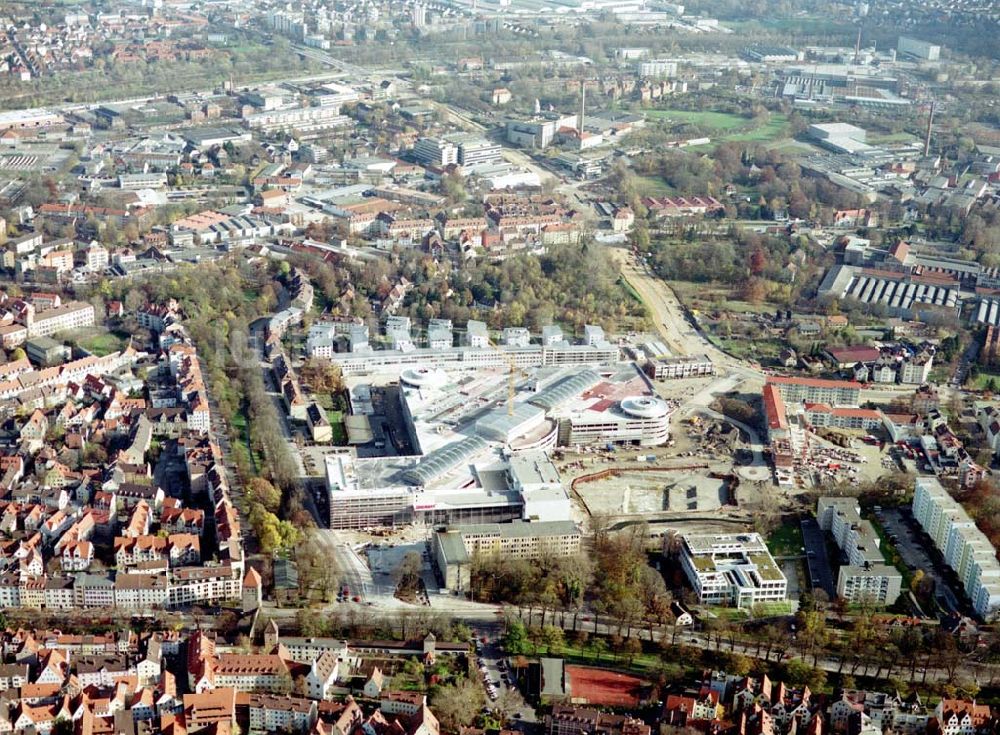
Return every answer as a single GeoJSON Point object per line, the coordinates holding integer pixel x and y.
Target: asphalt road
{"type": "Point", "coordinates": [820, 571]}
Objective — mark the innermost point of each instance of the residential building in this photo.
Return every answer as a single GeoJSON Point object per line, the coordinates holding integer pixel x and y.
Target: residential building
{"type": "Point", "coordinates": [965, 548]}
{"type": "Point", "coordinates": [570, 720]}
{"type": "Point", "coordinates": [815, 390]}
{"type": "Point", "coordinates": [454, 548]}
{"type": "Point", "coordinates": [270, 713]}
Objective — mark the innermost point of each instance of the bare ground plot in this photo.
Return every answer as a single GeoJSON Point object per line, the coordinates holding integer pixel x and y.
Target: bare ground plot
{"type": "Point", "coordinates": [640, 493]}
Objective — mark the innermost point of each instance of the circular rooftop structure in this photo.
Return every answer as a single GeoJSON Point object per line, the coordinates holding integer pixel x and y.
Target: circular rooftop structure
{"type": "Point", "coordinates": [423, 377]}
{"type": "Point", "coordinates": [645, 407]}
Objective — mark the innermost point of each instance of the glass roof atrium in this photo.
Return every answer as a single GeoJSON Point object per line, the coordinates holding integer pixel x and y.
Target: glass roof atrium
{"type": "Point", "coordinates": [442, 461]}
{"type": "Point", "coordinates": [565, 389]}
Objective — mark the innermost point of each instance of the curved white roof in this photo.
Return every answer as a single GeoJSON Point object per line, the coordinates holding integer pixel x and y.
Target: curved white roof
{"type": "Point", "coordinates": [644, 407]}
{"type": "Point", "coordinates": [423, 377]}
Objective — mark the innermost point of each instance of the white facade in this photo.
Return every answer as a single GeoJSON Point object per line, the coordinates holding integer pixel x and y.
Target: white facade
{"type": "Point", "coordinates": [918, 49]}
{"type": "Point", "coordinates": [436, 152]}
{"type": "Point", "coordinates": [735, 570]}
{"type": "Point", "coordinates": [965, 548]}
{"type": "Point", "coordinates": [657, 68]}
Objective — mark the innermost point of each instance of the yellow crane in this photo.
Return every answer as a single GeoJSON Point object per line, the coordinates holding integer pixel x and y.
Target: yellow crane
{"type": "Point", "coordinates": [512, 372]}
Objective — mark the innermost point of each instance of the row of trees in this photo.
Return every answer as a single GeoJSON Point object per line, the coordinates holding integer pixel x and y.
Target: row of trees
{"type": "Point", "coordinates": [217, 313]}
{"type": "Point", "coordinates": [614, 579]}
{"type": "Point", "coordinates": [353, 621]}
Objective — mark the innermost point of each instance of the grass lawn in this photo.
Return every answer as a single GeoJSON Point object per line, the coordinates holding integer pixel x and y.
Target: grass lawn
{"type": "Point", "coordinates": [99, 343]}
{"type": "Point", "coordinates": [773, 609]}
{"type": "Point", "coordinates": [701, 118]}
{"type": "Point", "coordinates": [786, 541]}
{"type": "Point", "coordinates": [243, 430]}
{"type": "Point", "coordinates": [653, 186]}
{"type": "Point", "coordinates": [982, 379]}
{"type": "Point", "coordinates": [336, 419]}
{"type": "Point", "coordinates": [573, 653]}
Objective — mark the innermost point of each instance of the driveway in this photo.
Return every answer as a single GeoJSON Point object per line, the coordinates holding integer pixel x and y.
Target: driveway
{"type": "Point", "coordinates": [905, 534]}
{"type": "Point", "coordinates": [817, 562]}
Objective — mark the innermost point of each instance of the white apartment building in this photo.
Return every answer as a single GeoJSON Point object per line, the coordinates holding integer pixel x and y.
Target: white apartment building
{"type": "Point", "coordinates": [965, 548]}
{"type": "Point", "coordinates": [141, 591]}
{"type": "Point", "coordinates": [71, 315]}
{"type": "Point", "coordinates": [303, 119]}
{"type": "Point", "coordinates": [192, 585]}
{"type": "Point", "coordinates": [657, 68]}
{"type": "Point", "coordinates": [516, 337]}
{"type": "Point", "coordinates": [817, 390]}
{"type": "Point", "coordinates": [878, 583]}
{"type": "Point", "coordinates": [732, 569]}
{"type": "Point", "coordinates": [865, 576]}
{"type": "Point", "coordinates": [96, 257]}
{"type": "Point", "coordinates": [269, 713]}
{"type": "Point", "coordinates": [476, 334]}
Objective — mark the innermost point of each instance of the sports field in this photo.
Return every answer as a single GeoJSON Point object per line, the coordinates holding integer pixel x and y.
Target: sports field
{"type": "Point", "coordinates": [609, 688]}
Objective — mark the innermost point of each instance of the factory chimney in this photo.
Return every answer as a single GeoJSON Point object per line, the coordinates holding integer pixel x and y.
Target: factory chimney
{"type": "Point", "coordinates": [583, 105]}
{"type": "Point", "coordinates": [930, 123]}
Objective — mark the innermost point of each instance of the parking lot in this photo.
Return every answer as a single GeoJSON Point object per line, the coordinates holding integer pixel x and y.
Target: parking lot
{"type": "Point", "coordinates": [905, 534]}
{"type": "Point", "coordinates": [494, 673]}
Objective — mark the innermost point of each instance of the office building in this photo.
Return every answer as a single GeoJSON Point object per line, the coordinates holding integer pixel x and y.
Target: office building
{"type": "Point", "coordinates": [475, 150]}
{"type": "Point", "coordinates": [454, 548]}
{"type": "Point", "coordinates": [436, 152]}
{"type": "Point", "coordinates": [917, 49]}
{"type": "Point", "coordinates": [670, 368]}
{"type": "Point", "coordinates": [735, 570]}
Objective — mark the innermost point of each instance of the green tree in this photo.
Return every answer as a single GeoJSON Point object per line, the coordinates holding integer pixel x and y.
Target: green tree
{"type": "Point", "coordinates": [516, 638]}
{"type": "Point", "coordinates": [457, 705]}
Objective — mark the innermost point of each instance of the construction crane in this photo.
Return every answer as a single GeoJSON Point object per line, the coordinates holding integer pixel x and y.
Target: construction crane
{"type": "Point", "coordinates": [512, 373]}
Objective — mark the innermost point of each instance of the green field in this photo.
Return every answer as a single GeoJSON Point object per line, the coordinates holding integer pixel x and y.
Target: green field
{"type": "Point", "coordinates": [336, 419]}
{"type": "Point", "coordinates": [653, 186]}
{"type": "Point", "coordinates": [99, 343]}
{"type": "Point", "coordinates": [786, 541]}
{"type": "Point", "coordinates": [773, 130]}
{"type": "Point", "coordinates": [701, 118]}
{"type": "Point", "coordinates": [982, 379]}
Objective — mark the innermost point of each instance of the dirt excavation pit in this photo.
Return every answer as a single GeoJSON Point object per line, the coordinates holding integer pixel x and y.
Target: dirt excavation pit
{"type": "Point", "coordinates": [641, 493]}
